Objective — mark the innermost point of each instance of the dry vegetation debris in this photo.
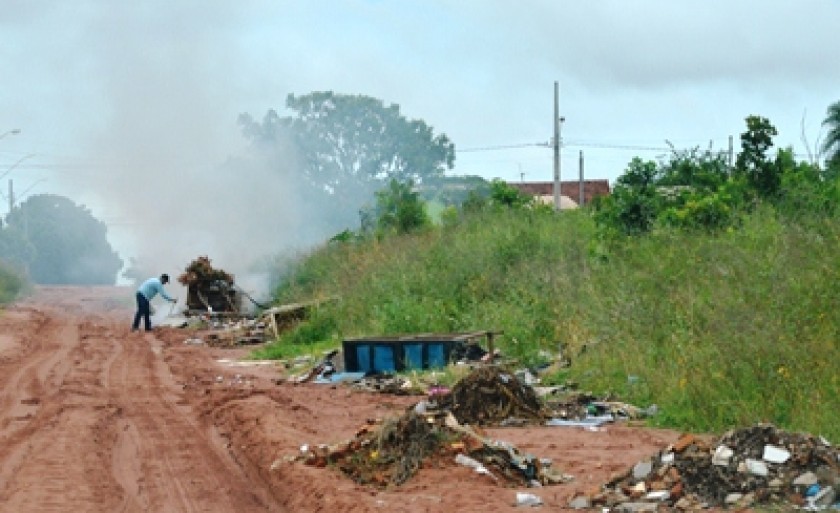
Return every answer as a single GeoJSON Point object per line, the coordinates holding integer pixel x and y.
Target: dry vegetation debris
{"type": "Point", "coordinates": [201, 271]}
{"type": "Point", "coordinates": [387, 453]}
{"type": "Point", "coordinates": [491, 395]}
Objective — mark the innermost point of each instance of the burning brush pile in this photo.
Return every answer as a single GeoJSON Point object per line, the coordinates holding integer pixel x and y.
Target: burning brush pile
{"type": "Point", "coordinates": [388, 453]}
{"type": "Point", "coordinates": [201, 272]}
{"type": "Point", "coordinates": [209, 289]}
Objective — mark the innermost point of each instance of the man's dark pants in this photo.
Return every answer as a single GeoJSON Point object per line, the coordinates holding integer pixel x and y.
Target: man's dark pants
{"type": "Point", "coordinates": [142, 311]}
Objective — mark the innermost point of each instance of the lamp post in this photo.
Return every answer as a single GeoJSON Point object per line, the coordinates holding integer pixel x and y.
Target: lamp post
{"type": "Point", "coordinates": [16, 164]}
{"type": "Point", "coordinates": [13, 131]}
{"type": "Point", "coordinates": [23, 194]}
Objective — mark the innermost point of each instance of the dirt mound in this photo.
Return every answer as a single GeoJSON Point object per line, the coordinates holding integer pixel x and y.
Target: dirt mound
{"type": "Point", "coordinates": [492, 395]}
{"type": "Point", "coordinates": [755, 465]}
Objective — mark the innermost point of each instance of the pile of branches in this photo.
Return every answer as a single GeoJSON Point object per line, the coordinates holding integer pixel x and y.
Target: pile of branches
{"type": "Point", "coordinates": [201, 271]}
{"type": "Point", "coordinates": [400, 447]}
{"type": "Point", "coordinates": [390, 454]}
{"type": "Point", "coordinates": [491, 395]}
{"type": "Point", "coordinates": [382, 456]}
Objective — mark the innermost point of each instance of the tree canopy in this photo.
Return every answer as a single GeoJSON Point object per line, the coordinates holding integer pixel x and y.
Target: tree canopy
{"type": "Point", "coordinates": [348, 141]}
{"type": "Point", "coordinates": [698, 191]}
{"type": "Point", "coordinates": [399, 209]}
{"type": "Point", "coordinates": [752, 162]}
{"type": "Point", "coordinates": [59, 242]}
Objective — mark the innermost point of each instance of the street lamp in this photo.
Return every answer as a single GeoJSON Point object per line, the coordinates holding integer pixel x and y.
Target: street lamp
{"type": "Point", "coordinates": [13, 131]}
{"type": "Point", "coordinates": [23, 194]}
{"type": "Point", "coordinates": [16, 164]}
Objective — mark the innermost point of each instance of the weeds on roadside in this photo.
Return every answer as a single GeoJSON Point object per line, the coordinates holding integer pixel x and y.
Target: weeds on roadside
{"type": "Point", "coordinates": [12, 284]}
{"type": "Point", "coordinates": [719, 330]}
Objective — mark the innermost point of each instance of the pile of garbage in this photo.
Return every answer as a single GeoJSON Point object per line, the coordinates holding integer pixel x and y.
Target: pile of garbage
{"type": "Point", "coordinates": [386, 454]}
{"type": "Point", "coordinates": [576, 405]}
{"type": "Point", "coordinates": [236, 332]}
{"type": "Point", "coordinates": [387, 384]}
{"type": "Point", "coordinates": [752, 466]}
{"type": "Point", "coordinates": [491, 395]}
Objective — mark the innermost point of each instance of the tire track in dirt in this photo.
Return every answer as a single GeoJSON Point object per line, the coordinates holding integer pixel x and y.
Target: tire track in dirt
{"type": "Point", "coordinates": [192, 474]}
{"type": "Point", "coordinates": [49, 464]}
{"type": "Point", "coordinates": [92, 421]}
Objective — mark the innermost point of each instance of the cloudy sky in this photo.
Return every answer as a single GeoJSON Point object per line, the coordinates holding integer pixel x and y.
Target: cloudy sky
{"type": "Point", "coordinates": [128, 106]}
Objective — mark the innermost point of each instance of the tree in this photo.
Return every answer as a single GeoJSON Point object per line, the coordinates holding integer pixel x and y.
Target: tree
{"type": "Point", "coordinates": [803, 192]}
{"type": "Point", "coordinates": [634, 203]}
{"type": "Point", "coordinates": [399, 209]}
{"type": "Point", "coordinates": [348, 141]}
{"type": "Point", "coordinates": [700, 170]}
{"type": "Point", "coordinates": [68, 245]}
{"type": "Point", "coordinates": [504, 195]}
{"type": "Point", "coordinates": [831, 143]}
{"type": "Point", "coordinates": [453, 191]}
{"type": "Point", "coordinates": [762, 174]}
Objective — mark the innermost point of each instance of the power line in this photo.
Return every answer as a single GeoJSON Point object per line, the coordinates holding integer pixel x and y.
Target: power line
{"type": "Point", "coordinates": [500, 147]}
{"type": "Point", "coordinates": [601, 146]}
{"type": "Point", "coordinates": [576, 144]}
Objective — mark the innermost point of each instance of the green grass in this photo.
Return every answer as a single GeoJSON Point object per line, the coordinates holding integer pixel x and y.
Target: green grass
{"type": "Point", "coordinates": [719, 331]}
{"type": "Point", "coordinates": [289, 350]}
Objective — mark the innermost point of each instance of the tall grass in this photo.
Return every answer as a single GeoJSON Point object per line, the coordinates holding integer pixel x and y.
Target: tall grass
{"type": "Point", "coordinates": [722, 330]}
{"type": "Point", "coordinates": [718, 330]}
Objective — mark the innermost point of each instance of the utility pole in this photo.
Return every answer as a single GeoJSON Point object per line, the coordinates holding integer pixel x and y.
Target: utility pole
{"type": "Point", "coordinates": [556, 146]}
{"type": "Point", "coordinates": [731, 151]}
{"type": "Point", "coordinates": [11, 196]}
{"type": "Point", "coordinates": [580, 202]}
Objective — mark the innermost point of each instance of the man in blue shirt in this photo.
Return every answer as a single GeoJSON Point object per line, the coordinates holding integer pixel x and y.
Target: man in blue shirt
{"type": "Point", "coordinates": [149, 289]}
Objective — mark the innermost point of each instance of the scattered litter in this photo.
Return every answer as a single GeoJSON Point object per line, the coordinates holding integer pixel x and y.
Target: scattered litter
{"type": "Point", "coordinates": [386, 384]}
{"type": "Point", "coordinates": [593, 421]}
{"type": "Point", "coordinates": [387, 453]}
{"type": "Point", "coordinates": [247, 363]}
{"type": "Point", "coordinates": [528, 499]}
{"type": "Point", "coordinates": [759, 465]}
{"type": "Point", "coordinates": [323, 370]}
{"type": "Point", "coordinates": [466, 461]}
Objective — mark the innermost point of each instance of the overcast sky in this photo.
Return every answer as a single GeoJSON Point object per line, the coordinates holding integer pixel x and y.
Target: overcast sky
{"type": "Point", "coordinates": [115, 99]}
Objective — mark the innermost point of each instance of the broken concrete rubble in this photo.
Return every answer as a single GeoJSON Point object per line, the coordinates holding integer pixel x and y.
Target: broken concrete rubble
{"type": "Point", "coordinates": [751, 466]}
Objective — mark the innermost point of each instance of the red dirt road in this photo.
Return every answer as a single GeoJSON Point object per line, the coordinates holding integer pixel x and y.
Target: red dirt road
{"type": "Point", "coordinates": [94, 418]}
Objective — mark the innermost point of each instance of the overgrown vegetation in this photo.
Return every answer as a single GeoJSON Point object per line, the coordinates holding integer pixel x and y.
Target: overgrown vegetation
{"type": "Point", "coordinates": [12, 283]}
{"type": "Point", "coordinates": [705, 289]}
